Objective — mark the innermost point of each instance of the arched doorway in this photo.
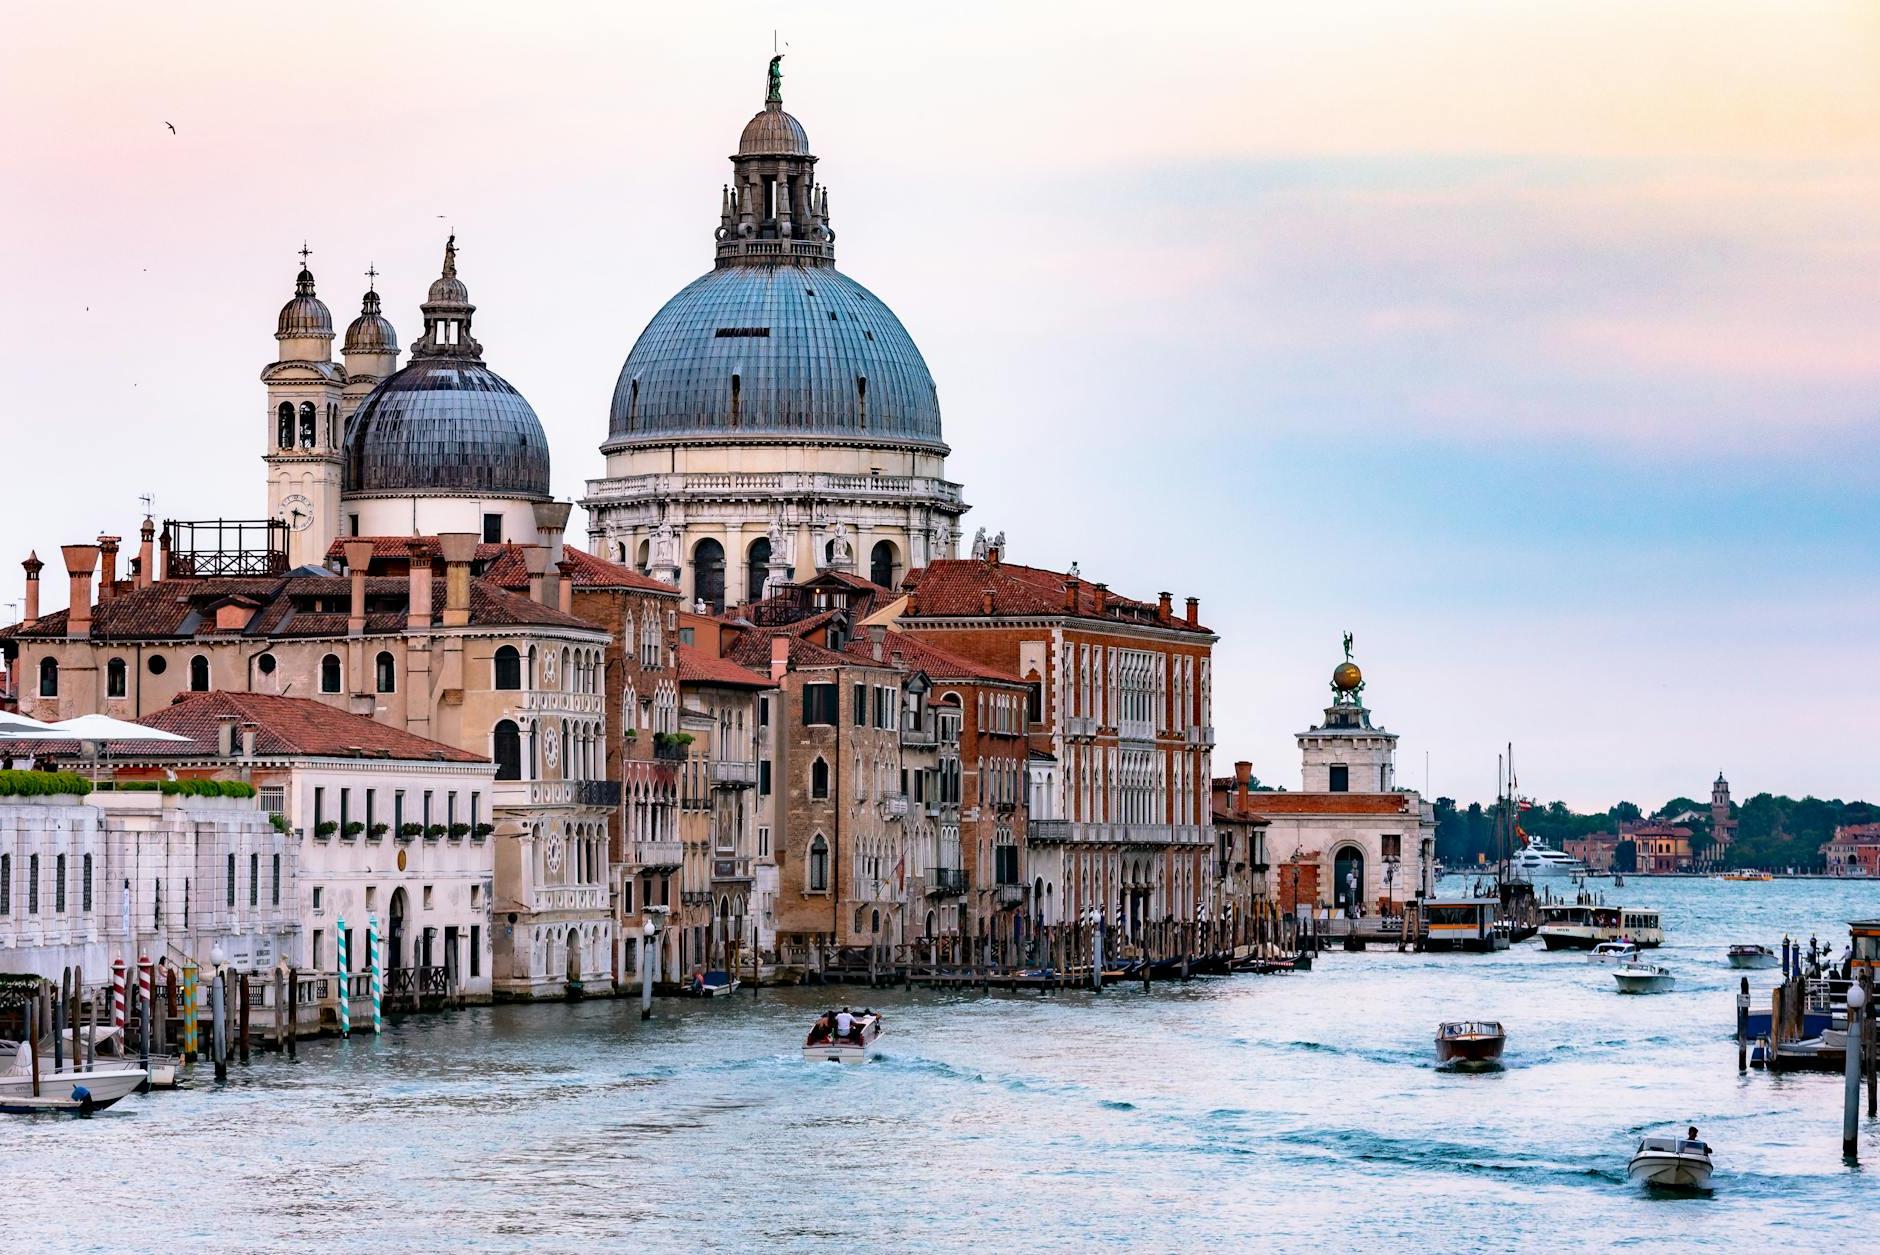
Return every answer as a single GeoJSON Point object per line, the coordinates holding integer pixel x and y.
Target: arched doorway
{"type": "Point", "coordinates": [883, 563]}
{"type": "Point", "coordinates": [1348, 879]}
{"type": "Point", "coordinates": [724, 933]}
{"type": "Point", "coordinates": [574, 956]}
{"type": "Point", "coordinates": [708, 574]}
{"type": "Point", "coordinates": [756, 568]}
{"type": "Point", "coordinates": [395, 935]}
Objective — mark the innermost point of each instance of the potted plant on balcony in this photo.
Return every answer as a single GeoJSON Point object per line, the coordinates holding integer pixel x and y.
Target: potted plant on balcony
{"type": "Point", "coordinates": [280, 824]}
{"type": "Point", "coordinates": [458, 831]}
{"type": "Point", "coordinates": [325, 829]}
{"type": "Point", "coordinates": [481, 831]}
{"type": "Point", "coordinates": [434, 832]}
{"type": "Point", "coordinates": [410, 831]}
{"type": "Point", "coordinates": [377, 832]}
{"type": "Point", "coordinates": [352, 830]}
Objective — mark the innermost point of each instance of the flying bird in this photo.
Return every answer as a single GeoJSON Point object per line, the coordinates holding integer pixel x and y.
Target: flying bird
{"type": "Point", "coordinates": [172, 127]}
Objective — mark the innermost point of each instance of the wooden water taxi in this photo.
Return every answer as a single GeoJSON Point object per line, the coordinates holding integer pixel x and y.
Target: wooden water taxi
{"type": "Point", "coordinates": [824, 1047]}
{"type": "Point", "coordinates": [1644, 978]}
{"type": "Point", "coordinates": [1463, 1042]}
{"type": "Point", "coordinates": [1671, 1163]}
{"type": "Point", "coordinates": [1753, 958]}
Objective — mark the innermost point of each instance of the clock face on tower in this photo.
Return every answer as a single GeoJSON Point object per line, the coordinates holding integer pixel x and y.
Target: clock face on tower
{"type": "Point", "coordinates": [297, 511]}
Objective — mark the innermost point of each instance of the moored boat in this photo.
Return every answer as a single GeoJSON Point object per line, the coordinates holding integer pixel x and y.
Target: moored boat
{"type": "Point", "coordinates": [1469, 1041]}
{"type": "Point", "coordinates": [828, 1048]}
{"type": "Point", "coordinates": [1643, 978]}
{"type": "Point", "coordinates": [1671, 1163]}
{"type": "Point", "coordinates": [1753, 957]}
{"type": "Point", "coordinates": [66, 1089]}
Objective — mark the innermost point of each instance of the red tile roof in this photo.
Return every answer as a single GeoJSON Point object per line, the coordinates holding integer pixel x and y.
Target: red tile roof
{"type": "Point", "coordinates": [917, 654]}
{"type": "Point", "coordinates": [504, 564]}
{"type": "Point", "coordinates": [751, 649]}
{"type": "Point", "coordinates": [285, 727]}
{"type": "Point", "coordinates": [956, 588]}
{"type": "Point", "coordinates": [697, 666]}
{"type": "Point", "coordinates": [1264, 803]}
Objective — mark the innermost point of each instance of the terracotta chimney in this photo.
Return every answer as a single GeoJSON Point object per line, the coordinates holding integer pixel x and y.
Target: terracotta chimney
{"type": "Point", "coordinates": [418, 610]}
{"type": "Point", "coordinates": [80, 562]}
{"type": "Point", "coordinates": [535, 561]}
{"type": "Point", "coordinates": [1194, 612]}
{"type": "Point", "coordinates": [988, 604]}
{"type": "Point", "coordinates": [1070, 595]}
{"type": "Point", "coordinates": [551, 520]}
{"type": "Point", "coordinates": [912, 609]}
{"type": "Point", "coordinates": [564, 590]}
{"type": "Point", "coordinates": [1164, 607]}
{"type": "Point", "coordinates": [877, 641]}
{"type": "Point", "coordinates": [1243, 776]}
{"type": "Point", "coordinates": [33, 567]}
{"type": "Point", "coordinates": [460, 550]}
{"type": "Point", "coordinates": [779, 658]}
{"type": "Point", "coordinates": [107, 567]}
{"type": "Point", "coordinates": [992, 555]}
{"type": "Point", "coordinates": [249, 732]}
{"type": "Point", "coordinates": [225, 735]}
{"type": "Point", "coordinates": [358, 561]}
{"type": "Point", "coordinates": [146, 535]}
{"type": "Point", "coordinates": [162, 571]}
{"type": "Point", "coordinates": [1103, 597]}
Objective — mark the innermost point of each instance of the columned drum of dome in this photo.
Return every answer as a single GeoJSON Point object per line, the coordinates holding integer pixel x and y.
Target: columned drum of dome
{"type": "Point", "coordinates": [445, 443]}
{"type": "Point", "coordinates": [774, 407]}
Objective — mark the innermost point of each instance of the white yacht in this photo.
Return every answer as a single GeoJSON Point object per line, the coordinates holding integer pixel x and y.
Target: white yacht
{"type": "Point", "coordinates": [1535, 863]}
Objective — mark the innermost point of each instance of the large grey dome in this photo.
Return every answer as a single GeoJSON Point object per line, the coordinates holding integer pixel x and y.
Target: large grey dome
{"type": "Point", "coordinates": [446, 426]}
{"type": "Point", "coordinates": [774, 350]}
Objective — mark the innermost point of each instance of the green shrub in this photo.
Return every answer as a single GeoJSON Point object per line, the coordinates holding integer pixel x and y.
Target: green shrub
{"type": "Point", "coordinates": [281, 825]}
{"type": "Point", "coordinates": [326, 827]}
{"type": "Point", "coordinates": [207, 788]}
{"type": "Point", "coordinates": [42, 783]}
{"type": "Point", "coordinates": [434, 831]}
{"type": "Point", "coordinates": [133, 786]}
{"type": "Point", "coordinates": [460, 830]}
{"type": "Point", "coordinates": [377, 831]}
{"type": "Point", "coordinates": [409, 830]}
{"type": "Point", "coordinates": [353, 828]}
{"type": "Point", "coordinates": [483, 830]}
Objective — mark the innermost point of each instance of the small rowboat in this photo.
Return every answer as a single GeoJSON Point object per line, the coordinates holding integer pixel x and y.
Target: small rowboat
{"type": "Point", "coordinates": [852, 1049]}
{"type": "Point", "coordinates": [1753, 957]}
{"type": "Point", "coordinates": [1670, 1163]}
{"type": "Point", "coordinates": [1469, 1042]}
{"type": "Point", "coordinates": [1643, 978]}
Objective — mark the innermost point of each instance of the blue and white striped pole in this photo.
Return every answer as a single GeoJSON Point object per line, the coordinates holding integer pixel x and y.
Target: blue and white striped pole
{"type": "Point", "coordinates": [376, 959]}
{"type": "Point", "coordinates": [345, 982]}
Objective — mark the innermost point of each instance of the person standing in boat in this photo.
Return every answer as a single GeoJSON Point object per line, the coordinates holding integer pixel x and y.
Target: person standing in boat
{"type": "Point", "coordinates": [844, 1023]}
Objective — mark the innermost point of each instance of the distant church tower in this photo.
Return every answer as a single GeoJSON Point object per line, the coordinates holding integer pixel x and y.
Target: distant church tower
{"type": "Point", "coordinates": [305, 431]}
{"type": "Point", "coordinates": [371, 352]}
{"type": "Point", "coordinates": [1722, 827]}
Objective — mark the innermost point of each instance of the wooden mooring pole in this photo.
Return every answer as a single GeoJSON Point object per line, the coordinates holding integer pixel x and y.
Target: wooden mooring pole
{"type": "Point", "coordinates": [293, 1013]}
{"type": "Point", "coordinates": [1742, 1027]}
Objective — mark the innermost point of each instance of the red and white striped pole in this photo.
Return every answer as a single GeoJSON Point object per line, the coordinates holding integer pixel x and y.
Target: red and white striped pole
{"type": "Point", "coordinates": [117, 993]}
{"type": "Point", "coordinates": [143, 983]}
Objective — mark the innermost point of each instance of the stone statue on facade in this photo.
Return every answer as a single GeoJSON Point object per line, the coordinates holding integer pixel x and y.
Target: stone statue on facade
{"type": "Point", "coordinates": [979, 545]}
{"type": "Point", "coordinates": [998, 542]}
{"type": "Point", "coordinates": [841, 553]}
{"type": "Point", "coordinates": [662, 554]}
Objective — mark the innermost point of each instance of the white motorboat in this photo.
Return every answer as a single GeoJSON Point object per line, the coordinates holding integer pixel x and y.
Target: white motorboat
{"type": "Point", "coordinates": [1643, 978]}
{"type": "Point", "coordinates": [66, 1089]}
{"type": "Point", "coordinates": [113, 1053]}
{"type": "Point", "coordinates": [824, 1047]}
{"type": "Point", "coordinates": [1613, 952]}
{"type": "Point", "coordinates": [1753, 957]}
{"type": "Point", "coordinates": [1671, 1163]}
{"type": "Point", "coordinates": [1536, 862]}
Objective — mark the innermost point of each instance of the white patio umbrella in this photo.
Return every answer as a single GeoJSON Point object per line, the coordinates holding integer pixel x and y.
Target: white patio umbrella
{"type": "Point", "coordinates": [17, 727]}
{"type": "Point", "coordinates": [94, 730]}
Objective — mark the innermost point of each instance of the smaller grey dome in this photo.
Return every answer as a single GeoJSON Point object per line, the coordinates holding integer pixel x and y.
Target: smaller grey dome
{"type": "Point", "coordinates": [306, 314]}
{"type": "Point", "coordinates": [773, 133]}
{"type": "Point", "coordinates": [371, 332]}
{"type": "Point", "coordinates": [448, 426]}
{"type": "Point", "coordinates": [448, 289]}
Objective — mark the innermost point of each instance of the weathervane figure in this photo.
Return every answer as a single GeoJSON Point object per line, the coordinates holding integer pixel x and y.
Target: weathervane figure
{"type": "Point", "coordinates": [775, 95]}
{"type": "Point", "coordinates": [1347, 647]}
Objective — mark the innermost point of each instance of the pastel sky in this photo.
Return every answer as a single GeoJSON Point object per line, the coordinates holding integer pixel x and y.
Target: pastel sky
{"type": "Point", "coordinates": [1535, 344]}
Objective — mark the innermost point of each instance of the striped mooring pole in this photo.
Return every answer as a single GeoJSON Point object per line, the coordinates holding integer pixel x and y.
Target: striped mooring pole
{"type": "Point", "coordinates": [378, 975]}
{"type": "Point", "coordinates": [117, 994]}
{"type": "Point", "coordinates": [144, 979]}
{"type": "Point", "coordinates": [190, 1011]}
{"type": "Point", "coordinates": [345, 989]}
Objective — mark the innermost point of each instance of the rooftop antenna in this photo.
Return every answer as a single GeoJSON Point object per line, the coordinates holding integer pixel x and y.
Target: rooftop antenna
{"type": "Point", "coordinates": [150, 504]}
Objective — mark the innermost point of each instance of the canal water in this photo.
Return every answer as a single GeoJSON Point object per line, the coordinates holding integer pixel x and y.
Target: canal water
{"type": "Point", "coordinates": [1224, 1113]}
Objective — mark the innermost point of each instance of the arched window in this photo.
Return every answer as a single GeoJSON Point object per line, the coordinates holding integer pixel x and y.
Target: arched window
{"type": "Point", "coordinates": [882, 567]}
{"type": "Point", "coordinates": [48, 677]}
{"type": "Point", "coordinates": [508, 668]}
{"type": "Point", "coordinates": [708, 574]}
{"type": "Point", "coordinates": [309, 418]}
{"type": "Point", "coordinates": [284, 436]}
{"type": "Point", "coordinates": [819, 779]}
{"type": "Point", "coordinates": [756, 568]}
{"type": "Point", "coordinates": [199, 674]}
{"type": "Point", "coordinates": [818, 865]}
{"type": "Point", "coordinates": [385, 673]}
{"type": "Point", "coordinates": [115, 678]}
{"type": "Point", "coordinates": [329, 674]}
{"type": "Point", "coordinates": [506, 749]}
{"type": "Point", "coordinates": [332, 425]}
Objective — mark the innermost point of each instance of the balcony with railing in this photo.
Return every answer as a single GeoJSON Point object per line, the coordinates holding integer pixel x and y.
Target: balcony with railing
{"type": "Point", "coordinates": [1057, 831]}
{"type": "Point", "coordinates": [570, 897]}
{"type": "Point", "coordinates": [945, 882]}
{"type": "Point", "coordinates": [1009, 895]}
{"type": "Point", "coordinates": [597, 793]}
{"type": "Point", "coordinates": [730, 773]}
{"type": "Point", "coordinates": [1201, 734]}
{"type": "Point", "coordinates": [655, 855]}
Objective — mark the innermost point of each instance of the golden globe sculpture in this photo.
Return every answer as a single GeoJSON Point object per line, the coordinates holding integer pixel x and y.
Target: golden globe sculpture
{"type": "Point", "coordinates": [1346, 677]}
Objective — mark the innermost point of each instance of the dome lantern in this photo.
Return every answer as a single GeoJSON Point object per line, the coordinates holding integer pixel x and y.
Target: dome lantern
{"type": "Point", "coordinates": [774, 212]}
{"type": "Point", "coordinates": [304, 318]}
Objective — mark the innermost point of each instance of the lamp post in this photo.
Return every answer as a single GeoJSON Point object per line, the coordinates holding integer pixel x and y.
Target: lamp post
{"type": "Point", "coordinates": [1390, 877]}
{"type": "Point", "coordinates": [1850, 1111]}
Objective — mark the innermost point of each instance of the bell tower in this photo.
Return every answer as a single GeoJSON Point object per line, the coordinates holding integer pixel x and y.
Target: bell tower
{"type": "Point", "coordinates": [305, 434]}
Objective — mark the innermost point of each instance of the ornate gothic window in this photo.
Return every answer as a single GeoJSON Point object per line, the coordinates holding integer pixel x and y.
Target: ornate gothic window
{"type": "Point", "coordinates": [818, 865]}
{"type": "Point", "coordinates": [819, 779]}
